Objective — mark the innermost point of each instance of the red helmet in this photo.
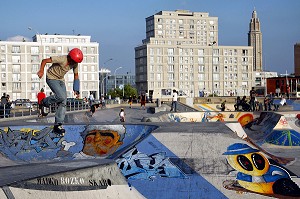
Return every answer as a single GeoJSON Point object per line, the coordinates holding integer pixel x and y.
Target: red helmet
{"type": "Point", "coordinates": [76, 55]}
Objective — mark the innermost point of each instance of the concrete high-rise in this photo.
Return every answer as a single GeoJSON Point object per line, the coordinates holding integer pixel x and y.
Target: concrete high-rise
{"type": "Point", "coordinates": [255, 40]}
{"type": "Point", "coordinates": [181, 51]}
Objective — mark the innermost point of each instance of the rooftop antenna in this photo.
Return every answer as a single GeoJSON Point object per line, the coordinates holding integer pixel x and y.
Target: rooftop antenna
{"type": "Point", "coordinates": [73, 32]}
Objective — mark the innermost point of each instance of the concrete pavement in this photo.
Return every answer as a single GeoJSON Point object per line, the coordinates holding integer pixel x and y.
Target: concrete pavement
{"type": "Point", "coordinates": [176, 160]}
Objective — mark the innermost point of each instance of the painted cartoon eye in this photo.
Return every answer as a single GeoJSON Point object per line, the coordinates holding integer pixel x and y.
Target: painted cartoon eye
{"type": "Point", "coordinates": [245, 163]}
{"type": "Point", "coordinates": [258, 161]}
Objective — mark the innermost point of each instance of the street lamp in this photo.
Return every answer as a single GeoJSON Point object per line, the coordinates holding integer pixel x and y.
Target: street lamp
{"type": "Point", "coordinates": [31, 29]}
{"type": "Point", "coordinates": [116, 77]}
{"type": "Point", "coordinates": [107, 61]}
{"type": "Point", "coordinates": [212, 66]}
{"type": "Point", "coordinates": [104, 75]}
{"type": "Point", "coordinates": [102, 85]}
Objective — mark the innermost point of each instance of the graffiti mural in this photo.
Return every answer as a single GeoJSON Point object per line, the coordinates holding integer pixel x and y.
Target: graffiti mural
{"type": "Point", "coordinates": [156, 172]}
{"type": "Point", "coordinates": [257, 174]}
{"type": "Point", "coordinates": [136, 165]}
{"type": "Point", "coordinates": [208, 116]}
{"type": "Point", "coordinates": [39, 143]}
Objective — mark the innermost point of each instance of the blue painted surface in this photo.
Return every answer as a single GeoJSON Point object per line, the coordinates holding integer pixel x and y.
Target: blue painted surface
{"type": "Point", "coordinates": [294, 103]}
{"type": "Point", "coordinates": [155, 175]}
{"type": "Point", "coordinates": [39, 143]}
{"type": "Point", "coordinates": [287, 137]}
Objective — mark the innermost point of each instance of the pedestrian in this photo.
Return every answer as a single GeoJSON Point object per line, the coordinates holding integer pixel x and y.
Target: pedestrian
{"type": "Point", "coordinates": [223, 105]}
{"type": "Point", "coordinates": [143, 101]}
{"type": "Point", "coordinates": [55, 80]}
{"type": "Point", "coordinates": [91, 99]}
{"type": "Point", "coordinates": [130, 101]}
{"type": "Point", "coordinates": [94, 107]}
{"type": "Point", "coordinates": [40, 96]}
{"type": "Point", "coordinates": [122, 115]}
{"type": "Point", "coordinates": [271, 101]}
{"type": "Point", "coordinates": [103, 102]}
{"type": "Point", "coordinates": [237, 103]}
{"type": "Point", "coordinates": [252, 98]}
{"type": "Point", "coordinates": [266, 103]}
{"type": "Point", "coordinates": [4, 104]}
{"type": "Point", "coordinates": [174, 101]}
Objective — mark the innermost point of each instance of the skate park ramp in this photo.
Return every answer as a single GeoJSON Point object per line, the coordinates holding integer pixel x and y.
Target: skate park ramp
{"type": "Point", "coordinates": [35, 158]}
{"type": "Point", "coordinates": [167, 160]}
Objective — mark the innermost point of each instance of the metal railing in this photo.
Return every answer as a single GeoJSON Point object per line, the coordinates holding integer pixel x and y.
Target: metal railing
{"type": "Point", "coordinates": [20, 111]}
{"type": "Point", "coordinates": [25, 110]}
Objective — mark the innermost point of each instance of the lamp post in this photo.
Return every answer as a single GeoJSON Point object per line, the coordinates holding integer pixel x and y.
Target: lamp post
{"type": "Point", "coordinates": [31, 29]}
{"type": "Point", "coordinates": [107, 61]}
{"type": "Point", "coordinates": [116, 77]}
{"type": "Point", "coordinates": [102, 85]}
{"type": "Point", "coordinates": [212, 66]}
{"type": "Point", "coordinates": [104, 75]}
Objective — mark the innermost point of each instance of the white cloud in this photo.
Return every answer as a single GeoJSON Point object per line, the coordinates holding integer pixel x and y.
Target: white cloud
{"type": "Point", "coordinates": [18, 38]}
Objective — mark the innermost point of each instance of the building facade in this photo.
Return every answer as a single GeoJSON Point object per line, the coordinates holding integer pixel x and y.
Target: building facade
{"type": "Point", "coordinates": [297, 59]}
{"type": "Point", "coordinates": [20, 62]}
{"type": "Point", "coordinates": [181, 51]}
{"type": "Point", "coordinates": [255, 40]}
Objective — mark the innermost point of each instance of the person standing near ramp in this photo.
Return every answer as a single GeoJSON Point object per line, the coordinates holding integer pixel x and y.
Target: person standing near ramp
{"type": "Point", "coordinates": [55, 80]}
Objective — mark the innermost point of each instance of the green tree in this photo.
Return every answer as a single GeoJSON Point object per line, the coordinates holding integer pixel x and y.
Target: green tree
{"type": "Point", "coordinates": [128, 90]}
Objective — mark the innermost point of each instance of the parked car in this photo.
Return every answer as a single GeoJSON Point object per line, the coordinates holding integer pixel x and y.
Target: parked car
{"type": "Point", "coordinates": [74, 102]}
{"type": "Point", "coordinates": [24, 102]}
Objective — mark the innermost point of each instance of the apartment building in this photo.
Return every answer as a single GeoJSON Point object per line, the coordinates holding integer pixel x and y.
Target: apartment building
{"type": "Point", "coordinates": [20, 62]}
{"type": "Point", "coordinates": [181, 50]}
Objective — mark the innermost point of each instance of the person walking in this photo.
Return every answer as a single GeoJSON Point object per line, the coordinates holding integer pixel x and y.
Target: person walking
{"type": "Point", "coordinates": [55, 80]}
{"type": "Point", "coordinates": [223, 105]}
{"type": "Point", "coordinates": [40, 96]}
{"type": "Point", "coordinates": [252, 98]}
{"type": "Point", "coordinates": [91, 99]}
{"type": "Point", "coordinates": [143, 101]}
{"type": "Point", "coordinates": [130, 101]}
{"type": "Point", "coordinates": [174, 101]}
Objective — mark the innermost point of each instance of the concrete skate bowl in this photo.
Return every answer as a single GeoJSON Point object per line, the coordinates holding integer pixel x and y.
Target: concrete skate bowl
{"type": "Point", "coordinates": [275, 129]}
{"type": "Point", "coordinates": [242, 117]}
{"type": "Point", "coordinates": [37, 143]}
{"type": "Point", "coordinates": [291, 105]}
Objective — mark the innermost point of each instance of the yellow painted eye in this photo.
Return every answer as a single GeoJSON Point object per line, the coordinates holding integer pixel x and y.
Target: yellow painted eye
{"type": "Point", "coordinates": [254, 164]}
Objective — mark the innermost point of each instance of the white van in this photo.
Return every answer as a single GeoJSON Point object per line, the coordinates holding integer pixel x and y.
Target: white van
{"type": "Point", "coordinates": [165, 94]}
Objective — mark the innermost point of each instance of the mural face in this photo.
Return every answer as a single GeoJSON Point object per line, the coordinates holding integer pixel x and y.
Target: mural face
{"type": "Point", "coordinates": [101, 142]}
{"type": "Point", "coordinates": [256, 174]}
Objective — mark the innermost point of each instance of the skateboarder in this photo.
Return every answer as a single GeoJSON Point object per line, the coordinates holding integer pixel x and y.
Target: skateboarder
{"type": "Point", "coordinates": [94, 106]}
{"type": "Point", "coordinates": [55, 80]}
{"type": "Point", "coordinates": [122, 115]}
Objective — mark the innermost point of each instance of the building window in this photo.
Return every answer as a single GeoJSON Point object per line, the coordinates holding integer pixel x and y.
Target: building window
{"type": "Point", "coordinates": [16, 49]}
{"type": "Point", "coordinates": [34, 50]}
{"type": "Point", "coordinates": [16, 59]}
{"type": "Point", "coordinates": [16, 68]}
{"type": "Point", "coordinates": [35, 58]}
{"type": "Point", "coordinates": [16, 86]}
{"type": "Point", "coordinates": [3, 68]}
{"type": "Point", "coordinates": [35, 68]}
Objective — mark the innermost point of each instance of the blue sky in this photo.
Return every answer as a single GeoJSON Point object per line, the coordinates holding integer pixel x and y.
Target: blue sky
{"type": "Point", "coordinates": [119, 25]}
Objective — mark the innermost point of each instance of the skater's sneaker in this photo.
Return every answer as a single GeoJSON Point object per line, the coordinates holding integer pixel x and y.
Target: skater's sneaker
{"type": "Point", "coordinates": [44, 104]}
{"type": "Point", "coordinates": [58, 129]}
